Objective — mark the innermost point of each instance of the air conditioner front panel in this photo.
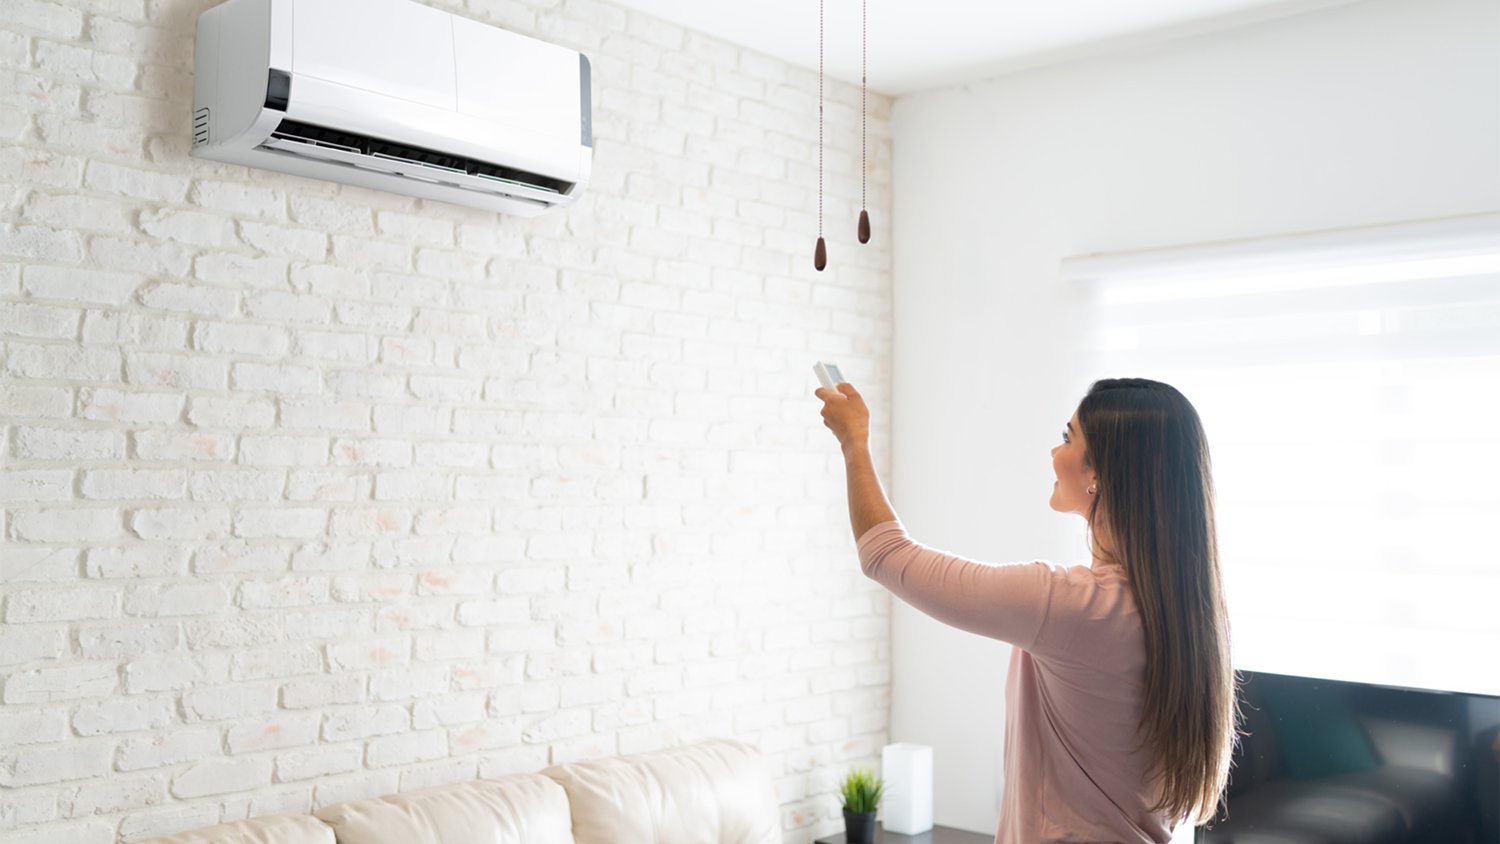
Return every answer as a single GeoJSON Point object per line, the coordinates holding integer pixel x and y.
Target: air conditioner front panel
{"type": "Point", "coordinates": [395, 48]}
{"type": "Point", "coordinates": [547, 104]}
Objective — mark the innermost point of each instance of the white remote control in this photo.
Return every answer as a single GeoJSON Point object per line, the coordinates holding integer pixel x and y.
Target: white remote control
{"type": "Point", "coordinates": [828, 375]}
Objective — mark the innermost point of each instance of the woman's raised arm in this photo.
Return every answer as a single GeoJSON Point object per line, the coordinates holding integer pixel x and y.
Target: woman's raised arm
{"type": "Point", "coordinates": [845, 413]}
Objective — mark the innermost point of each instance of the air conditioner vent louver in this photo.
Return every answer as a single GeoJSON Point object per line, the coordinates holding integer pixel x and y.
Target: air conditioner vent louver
{"type": "Point", "coordinates": [200, 127]}
{"type": "Point", "coordinates": [376, 148]}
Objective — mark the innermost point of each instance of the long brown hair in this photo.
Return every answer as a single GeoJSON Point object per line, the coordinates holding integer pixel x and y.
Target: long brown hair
{"type": "Point", "coordinates": [1154, 501]}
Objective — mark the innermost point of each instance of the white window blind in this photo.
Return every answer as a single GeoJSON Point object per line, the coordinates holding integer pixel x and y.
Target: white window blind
{"type": "Point", "coordinates": [1349, 383]}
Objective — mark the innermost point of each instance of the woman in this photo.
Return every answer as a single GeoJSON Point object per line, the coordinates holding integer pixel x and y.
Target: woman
{"type": "Point", "coordinates": [1121, 711]}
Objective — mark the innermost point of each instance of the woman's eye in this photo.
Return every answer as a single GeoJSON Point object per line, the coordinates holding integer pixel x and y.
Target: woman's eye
{"type": "Point", "coordinates": [1065, 437]}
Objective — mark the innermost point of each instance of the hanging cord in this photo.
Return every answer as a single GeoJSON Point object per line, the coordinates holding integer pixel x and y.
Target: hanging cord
{"type": "Point", "coordinates": [820, 252]}
{"type": "Point", "coordinates": [864, 83]}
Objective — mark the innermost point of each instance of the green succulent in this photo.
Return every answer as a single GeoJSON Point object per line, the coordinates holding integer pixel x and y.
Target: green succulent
{"type": "Point", "coordinates": [861, 790]}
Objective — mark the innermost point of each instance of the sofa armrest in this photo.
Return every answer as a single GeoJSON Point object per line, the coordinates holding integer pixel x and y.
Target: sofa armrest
{"type": "Point", "coordinates": [1414, 745]}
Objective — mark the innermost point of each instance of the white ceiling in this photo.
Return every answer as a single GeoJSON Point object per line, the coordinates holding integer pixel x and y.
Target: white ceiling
{"type": "Point", "coordinates": [918, 44]}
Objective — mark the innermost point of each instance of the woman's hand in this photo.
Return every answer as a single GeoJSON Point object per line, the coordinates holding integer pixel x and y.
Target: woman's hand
{"type": "Point", "coordinates": [845, 414]}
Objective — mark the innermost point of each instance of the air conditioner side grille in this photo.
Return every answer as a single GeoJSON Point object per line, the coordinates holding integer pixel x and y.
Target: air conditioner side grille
{"type": "Point", "coordinates": [200, 127]}
{"type": "Point", "coordinates": [377, 148]}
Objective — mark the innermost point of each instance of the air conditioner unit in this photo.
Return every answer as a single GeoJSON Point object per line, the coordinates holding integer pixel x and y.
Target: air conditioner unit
{"type": "Point", "coordinates": [393, 95]}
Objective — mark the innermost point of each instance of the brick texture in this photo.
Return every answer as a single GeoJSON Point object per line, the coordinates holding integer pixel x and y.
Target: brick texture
{"type": "Point", "coordinates": [312, 493]}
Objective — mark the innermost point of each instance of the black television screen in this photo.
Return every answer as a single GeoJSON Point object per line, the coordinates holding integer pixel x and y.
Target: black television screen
{"type": "Point", "coordinates": [1332, 762]}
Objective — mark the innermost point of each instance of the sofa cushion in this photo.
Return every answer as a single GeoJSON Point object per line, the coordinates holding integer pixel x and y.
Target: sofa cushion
{"type": "Point", "coordinates": [522, 809]}
{"type": "Point", "coordinates": [272, 829]}
{"type": "Point", "coordinates": [712, 792]}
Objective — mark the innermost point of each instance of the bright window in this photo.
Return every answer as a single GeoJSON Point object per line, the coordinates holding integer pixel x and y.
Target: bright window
{"type": "Point", "coordinates": [1350, 386]}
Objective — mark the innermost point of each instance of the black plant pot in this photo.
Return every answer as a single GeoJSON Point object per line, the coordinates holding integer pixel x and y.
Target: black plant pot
{"type": "Point", "coordinates": [859, 827]}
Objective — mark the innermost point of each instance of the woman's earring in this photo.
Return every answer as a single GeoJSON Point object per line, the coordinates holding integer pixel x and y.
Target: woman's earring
{"type": "Point", "coordinates": [1093, 489]}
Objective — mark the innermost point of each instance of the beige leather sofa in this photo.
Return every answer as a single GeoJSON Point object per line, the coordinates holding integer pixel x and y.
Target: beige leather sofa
{"type": "Point", "coordinates": [711, 792]}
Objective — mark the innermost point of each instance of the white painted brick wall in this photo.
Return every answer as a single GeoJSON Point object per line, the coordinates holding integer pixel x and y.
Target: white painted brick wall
{"type": "Point", "coordinates": [311, 493]}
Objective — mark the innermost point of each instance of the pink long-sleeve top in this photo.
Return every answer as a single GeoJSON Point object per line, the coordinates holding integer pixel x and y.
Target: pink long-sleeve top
{"type": "Point", "coordinates": [1073, 697]}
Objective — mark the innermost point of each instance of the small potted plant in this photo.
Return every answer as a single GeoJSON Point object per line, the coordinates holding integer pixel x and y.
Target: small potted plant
{"type": "Point", "coordinates": [860, 794]}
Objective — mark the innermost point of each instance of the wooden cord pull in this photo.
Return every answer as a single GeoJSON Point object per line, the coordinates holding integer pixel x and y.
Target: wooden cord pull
{"type": "Point", "coordinates": [864, 119]}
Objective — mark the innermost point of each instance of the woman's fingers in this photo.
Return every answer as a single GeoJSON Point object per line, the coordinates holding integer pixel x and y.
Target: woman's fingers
{"type": "Point", "coordinates": [843, 411]}
{"type": "Point", "coordinates": [826, 394]}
